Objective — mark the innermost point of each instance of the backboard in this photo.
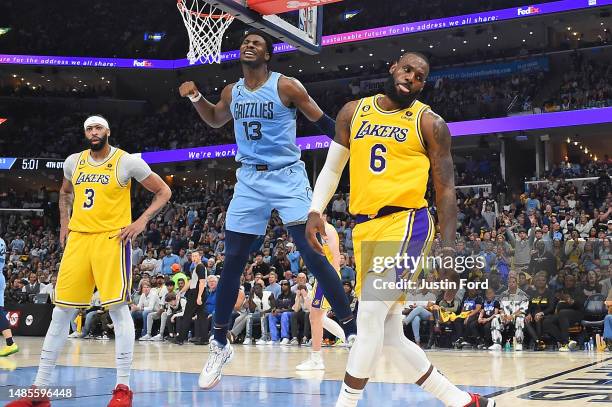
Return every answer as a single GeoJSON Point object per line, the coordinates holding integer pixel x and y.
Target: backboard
{"type": "Point", "coordinates": [296, 24]}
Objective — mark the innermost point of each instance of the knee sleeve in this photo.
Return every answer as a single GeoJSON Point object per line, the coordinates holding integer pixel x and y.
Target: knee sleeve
{"type": "Point", "coordinates": [370, 339]}
{"type": "Point", "coordinates": [60, 320]}
{"type": "Point", "coordinates": [122, 319]}
{"type": "Point", "coordinates": [402, 352]}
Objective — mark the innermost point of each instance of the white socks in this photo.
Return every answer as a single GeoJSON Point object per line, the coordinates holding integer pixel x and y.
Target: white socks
{"type": "Point", "coordinates": [316, 356]}
{"type": "Point", "coordinates": [348, 397]}
{"type": "Point", "coordinates": [124, 341]}
{"type": "Point", "coordinates": [54, 342]}
{"type": "Point", "coordinates": [440, 387]}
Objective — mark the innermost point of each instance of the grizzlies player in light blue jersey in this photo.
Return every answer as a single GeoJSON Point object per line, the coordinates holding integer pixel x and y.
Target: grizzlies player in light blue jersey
{"type": "Point", "coordinates": [263, 106]}
{"type": "Point", "coordinates": [11, 347]}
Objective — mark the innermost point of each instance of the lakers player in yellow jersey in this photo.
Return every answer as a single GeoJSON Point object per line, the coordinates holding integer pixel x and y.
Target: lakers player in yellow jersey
{"type": "Point", "coordinates": [96, 229]}
{"type": "Point", "coordinates": [394, 141]}
{"type": "Point", "coordinates": [319, 305]}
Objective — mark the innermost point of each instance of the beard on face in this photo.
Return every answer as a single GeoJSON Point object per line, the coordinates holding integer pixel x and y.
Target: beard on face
{"type": "Point", "coordinates": [392, 93]}
{"type": "Point", "coordinates": [100, 145]}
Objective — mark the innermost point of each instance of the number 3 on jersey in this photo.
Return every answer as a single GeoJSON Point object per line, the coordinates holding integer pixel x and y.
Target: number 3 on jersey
{"type": "Point", "coordinates": [252, 130]}
{"type": "Point", "coordinates": [378, 163]}
{"type": "Point", "coordinates": [89, 198]}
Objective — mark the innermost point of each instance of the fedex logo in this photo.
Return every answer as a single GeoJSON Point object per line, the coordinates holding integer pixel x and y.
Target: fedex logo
{"type": "Point", "coordinates": [527, 11]}
{"type": "Point", "coordinates": [144, 63]}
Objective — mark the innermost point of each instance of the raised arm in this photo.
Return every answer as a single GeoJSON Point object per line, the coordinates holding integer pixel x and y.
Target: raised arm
{"type": "Point", "coordinates": [215, 115]}
{"type": "Point", "coordinates": [328, 179]}
{"type": "Point", "coordinates": [438, 140]}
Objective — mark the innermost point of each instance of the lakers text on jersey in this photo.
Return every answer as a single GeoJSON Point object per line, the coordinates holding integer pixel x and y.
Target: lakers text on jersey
{"type": "Point", "coordinates": [389, 164]}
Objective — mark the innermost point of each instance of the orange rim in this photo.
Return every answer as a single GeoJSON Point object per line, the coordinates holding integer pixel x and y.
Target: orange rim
{"type": "Point", "coordinates": [202, 15]}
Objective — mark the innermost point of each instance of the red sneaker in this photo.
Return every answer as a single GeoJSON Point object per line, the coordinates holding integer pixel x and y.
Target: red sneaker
{"type": "Point", "coordinates": [479, 401]}
{"type": "Point", "coordinates": [122, 397]}
{"type": "Point", "coordinates": [30, 402]}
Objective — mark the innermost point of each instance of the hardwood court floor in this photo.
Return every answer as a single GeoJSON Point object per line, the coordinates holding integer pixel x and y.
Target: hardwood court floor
{"type": "Point", "coordinates": [166, 375]}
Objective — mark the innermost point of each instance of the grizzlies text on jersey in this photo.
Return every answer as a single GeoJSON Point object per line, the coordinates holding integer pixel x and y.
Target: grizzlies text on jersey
{"type": "Point", "coordinates": [265, 128]}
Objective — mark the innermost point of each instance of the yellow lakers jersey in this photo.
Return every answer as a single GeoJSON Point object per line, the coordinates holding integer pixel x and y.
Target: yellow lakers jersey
{"type": "Point", "coordinates": [101, 202]}
{"type": "Point", "coordinates": [388, 162]}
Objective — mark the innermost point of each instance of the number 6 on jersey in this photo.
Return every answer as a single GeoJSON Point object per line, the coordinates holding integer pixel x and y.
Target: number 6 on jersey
{"type": "Point", "coordinates": [377, 158]}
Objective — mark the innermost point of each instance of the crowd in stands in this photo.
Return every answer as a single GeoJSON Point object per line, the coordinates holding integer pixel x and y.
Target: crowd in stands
{"type": "Point", "coordinates": [175, 124]}
{"type": "Point", "coordinates": [586, 84]}
{"type": "Point", "coordinates": [543, 253]}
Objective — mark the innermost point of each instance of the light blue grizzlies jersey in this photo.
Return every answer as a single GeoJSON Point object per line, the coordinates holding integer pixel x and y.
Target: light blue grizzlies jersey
{"type": "Point", "coordinates": [2, 280]}
{"type": "Point", "coordinates": [263, 125]}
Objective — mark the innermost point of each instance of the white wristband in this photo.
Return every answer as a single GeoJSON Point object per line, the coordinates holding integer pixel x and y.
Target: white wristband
{"type": "Point", "coordinates": [195, 98]}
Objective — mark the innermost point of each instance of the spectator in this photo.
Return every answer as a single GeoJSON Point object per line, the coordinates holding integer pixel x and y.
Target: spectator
{"type": "Point", "coordinates": [541, 305]}
{"type": "Point", "coordinates": [514, 303]}
{"type": "Point", "coordinates": [281, 312]}
{"type": "Point", "coordinates": [174, 308]}
{"type": "Point", "coordinates": [568, 311]}
{"type": "Point", "coordinates": [347, 273]}
{"type": "Point", "coordinates": [147, 303]}
{"type": "Point", "coordinates": [418, 308]}
{"type": "Point", "coordinates": [273, 286]}
{"type": "Point", "coordinates": [168, 260]}
{"type": "Point", "coordinates": [260, 305]}
{"type": "Point", "coordinates": [301, 310]}
{"type": "Point", "coordinates": [490, 310]}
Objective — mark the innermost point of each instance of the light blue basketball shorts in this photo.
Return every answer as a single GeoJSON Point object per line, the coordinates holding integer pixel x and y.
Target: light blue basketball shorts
{"type": "Point", "coordinates": [258, 192]}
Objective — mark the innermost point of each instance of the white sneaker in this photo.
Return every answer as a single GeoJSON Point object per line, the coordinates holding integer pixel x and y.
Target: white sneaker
{"type": "Point", "coordinates": [294, 342]}
{"type": "Point", "coordinates": [261, 341]}
{"type": "Point", "coordinates": [147, 337]}
{"type": "Point", "coordinates": [75, 334]}
{"type": "Point", "coordinates": [518, 347]}
{"type": "Point", "coordinates": [247, 341]}
{"type": "Point", "coordinates": [157, 338]}
{"type": "Point", "coordinates": [218, 357]}
{"type": "Point", "coordinates": [572, 345]}
{"type": "Point", "coordinates": [310, 364]}
{"type": "Point", "coordinates": [495, 346]}
{"type": "Point", "coordinates": [307, 343]}
{"type": "Point", "coordinates": [285, 341]}
{"type": "Point", "coordinates": [104, 337]}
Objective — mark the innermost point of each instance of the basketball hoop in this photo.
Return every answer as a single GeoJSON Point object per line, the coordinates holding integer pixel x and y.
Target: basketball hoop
{"type": "Point", "coordinates": [205, 25]}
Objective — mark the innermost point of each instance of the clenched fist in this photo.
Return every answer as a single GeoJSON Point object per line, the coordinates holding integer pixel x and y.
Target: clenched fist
{"type": "Point", "coordinates": [188, 89]}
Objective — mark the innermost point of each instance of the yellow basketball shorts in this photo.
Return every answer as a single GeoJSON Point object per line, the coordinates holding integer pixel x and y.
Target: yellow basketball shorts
{"type": "Point", "coordinates": [91, 260]}
{"type": "Point", "coordinates": [401, 235]}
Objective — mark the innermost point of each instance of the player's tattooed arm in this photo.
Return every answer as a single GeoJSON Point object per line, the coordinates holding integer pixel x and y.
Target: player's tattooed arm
{"type": "Point", "coordinates": [438, 142]}
{"type": "Point", "coordinates": [162, 192]}
{"type": "Point", "coordinates": [66, 198]}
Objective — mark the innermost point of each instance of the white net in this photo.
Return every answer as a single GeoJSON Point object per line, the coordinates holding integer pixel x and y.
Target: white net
{"type": "Point", "coordinates": [205, 25]}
